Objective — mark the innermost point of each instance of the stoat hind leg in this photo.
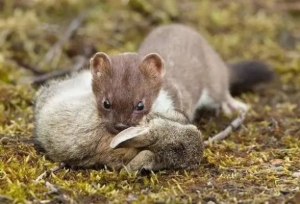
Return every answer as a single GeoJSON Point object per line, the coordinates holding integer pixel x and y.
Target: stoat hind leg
{"type": "Point", "coordinates": [207, 106]}
{"type": "Point", "coordinates": [230, 106]}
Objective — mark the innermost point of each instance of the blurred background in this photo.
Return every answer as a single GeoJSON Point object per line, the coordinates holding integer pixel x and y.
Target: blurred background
{"type": "Point", "coordinates": [41, 39]}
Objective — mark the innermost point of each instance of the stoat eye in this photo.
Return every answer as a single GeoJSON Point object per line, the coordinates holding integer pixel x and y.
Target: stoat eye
{"type": "Point", "coordinates": [140, 106]}
{"type": "Point", "coordinates": [106, 104]}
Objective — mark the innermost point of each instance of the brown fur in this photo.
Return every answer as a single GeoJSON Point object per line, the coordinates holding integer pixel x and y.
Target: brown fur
{"type": "Point", "coordinates": [125, 80]}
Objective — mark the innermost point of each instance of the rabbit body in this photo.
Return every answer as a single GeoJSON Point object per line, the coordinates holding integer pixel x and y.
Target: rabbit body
{"type": "Point", "coordinates": [69, 129]}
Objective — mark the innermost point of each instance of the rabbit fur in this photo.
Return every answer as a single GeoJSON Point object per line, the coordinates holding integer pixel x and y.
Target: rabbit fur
{"type": "Point", "coordinates": [69, 129]}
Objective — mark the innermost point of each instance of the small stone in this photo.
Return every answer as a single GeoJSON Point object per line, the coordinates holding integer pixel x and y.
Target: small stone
{"type": "Point", "coordinates": [131, 197]}
{"type": "Point", "coordinates": [277, 168]}
{"type": "Point", "coordinates": [276, 162]}
{"type": "Point", "coordinates": [296, 174]}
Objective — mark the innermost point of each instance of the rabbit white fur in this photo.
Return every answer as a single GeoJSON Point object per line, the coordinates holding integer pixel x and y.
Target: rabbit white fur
{"type": "Point", "coordinates": [69, 130]}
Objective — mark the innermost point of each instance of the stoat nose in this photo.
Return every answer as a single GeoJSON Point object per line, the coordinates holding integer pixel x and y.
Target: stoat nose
{"type": "Point", "coordinates": [121, 127]}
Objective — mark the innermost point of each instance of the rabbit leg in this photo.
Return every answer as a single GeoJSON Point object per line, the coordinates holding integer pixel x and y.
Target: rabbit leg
{"type": "Point", "coordinates": [144, 159]}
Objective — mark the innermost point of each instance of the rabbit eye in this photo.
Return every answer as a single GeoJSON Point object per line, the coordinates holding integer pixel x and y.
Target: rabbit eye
{"type": "Point", "coordinates": [140, 106]}
{"type": "Point", "coordinates": [106, 104]}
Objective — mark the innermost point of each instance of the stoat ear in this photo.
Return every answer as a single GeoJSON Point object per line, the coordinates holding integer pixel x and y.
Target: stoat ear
{"type": "Point", "coordinates": [100, 64]}
{"type": "Point", "coordinates": [133, 137]}
{"type": "Point", "coordinates": [153, 66]}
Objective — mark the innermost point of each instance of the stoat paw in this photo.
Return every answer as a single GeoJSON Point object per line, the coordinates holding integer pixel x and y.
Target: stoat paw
{"type": "Point", "coordinates": [232, 105]}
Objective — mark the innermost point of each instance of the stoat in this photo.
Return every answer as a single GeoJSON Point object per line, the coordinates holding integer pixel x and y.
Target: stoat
{"type": "Point", "coordinates": [174, 69]}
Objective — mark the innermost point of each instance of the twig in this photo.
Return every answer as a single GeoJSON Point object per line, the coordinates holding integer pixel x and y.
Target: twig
{"type": "Point", "coordinates": [48, 172]}
{"type": "Point", "coordinates": [74, 25]}
{"type": "Point", "coordinates": [13, 139]}
{"type": "Point", "coordinates": [280, 6]}
{"type": "Point", "coordinates": [80, 62]}
{"type": "Point", "coordinates": [43, 78]}
{"type": "Point", "coordinates": [51, 188]}
{"type": "Point", "coordinates": [288, 6]}
{"type": "Point", "coordinates": [5, 140]}
{"type": "Point", "coordinates": [5, 199]}
{"type": "Point", "coordinates": [233, 125]}
{"type": "Point", "coordinates": [33, 69]}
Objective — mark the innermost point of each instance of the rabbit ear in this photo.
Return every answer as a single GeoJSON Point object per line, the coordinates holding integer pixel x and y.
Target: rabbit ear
{"type": "Point", "coordinates": [133, 137]}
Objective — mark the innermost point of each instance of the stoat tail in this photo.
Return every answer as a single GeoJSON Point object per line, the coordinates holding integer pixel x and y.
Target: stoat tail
{"type": "Point", "coordinates": [246, 75]}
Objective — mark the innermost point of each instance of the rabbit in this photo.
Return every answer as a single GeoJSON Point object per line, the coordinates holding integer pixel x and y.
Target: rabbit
{"type": "Point", "coordinates": [68, 129]}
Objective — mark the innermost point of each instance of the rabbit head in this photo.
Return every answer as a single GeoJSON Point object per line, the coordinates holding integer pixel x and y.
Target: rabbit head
{"type": "Point", "coordinates": [164, 144]}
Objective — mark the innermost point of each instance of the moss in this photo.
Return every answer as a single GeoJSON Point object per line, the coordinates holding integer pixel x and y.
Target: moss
{"type": "Point", "coordinates": [255, 165]}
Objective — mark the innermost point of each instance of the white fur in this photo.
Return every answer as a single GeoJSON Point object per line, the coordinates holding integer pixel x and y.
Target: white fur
{"type": "Point", "coordinates": [72, 89]}
{"type": "Point", "coordinates": [128, 53]}
{"type": "Point", "coordinates": [206, 101]}
{"type": "Point", "coordinates": [163, 102]}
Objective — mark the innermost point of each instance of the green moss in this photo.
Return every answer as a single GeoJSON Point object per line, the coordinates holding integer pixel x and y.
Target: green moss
{"type": "Point", "coordinates": [255, 165]}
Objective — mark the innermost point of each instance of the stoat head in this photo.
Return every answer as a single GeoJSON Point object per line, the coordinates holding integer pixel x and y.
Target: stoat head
{"type": "Point", "coordinates": [125, 87]}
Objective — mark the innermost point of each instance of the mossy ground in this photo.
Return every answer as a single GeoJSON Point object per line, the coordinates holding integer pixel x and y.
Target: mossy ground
{"type": "Point", "coordinates": [257, 164]}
